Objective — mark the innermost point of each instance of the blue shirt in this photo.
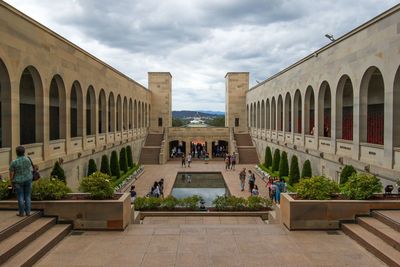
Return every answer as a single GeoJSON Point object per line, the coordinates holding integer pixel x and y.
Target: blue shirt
{"type": "Point", "coordinates": [22, 168]}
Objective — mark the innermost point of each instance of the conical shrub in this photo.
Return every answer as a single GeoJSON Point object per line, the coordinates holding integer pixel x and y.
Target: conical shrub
{"type": "Point", "coordinates": [276, 160]}
{"type": "Point", "coordinates": [268, 157]}
{"type": "Point", "coordinates": [306, 172]}
{"type": "Point", "coordinates": [123, 162]}
{"type": "Point", "coordinates": [114, 164]}
{"type": "Point", "coordinates": [129, 156]}
{"type": "Point", "coordinates": [283, 165]}
{"type": "Point", "coordinates": [105, 165]}
{"type": "Point", "coordinates": [58, 172]}
{"type": "Point", "coordinates": [92, 168]}
{"type": "Point", "coordinates": [347, 171]}
{"type": "Point", "coordinates": [294, 174]}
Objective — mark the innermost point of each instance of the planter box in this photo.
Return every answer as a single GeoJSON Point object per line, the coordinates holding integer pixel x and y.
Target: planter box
{"type": "Point", "coordinates": [262, 214]}
{"type": "Point", "coordinates": [85, 214]}
{"type": "Point", "coordinates": [326, 214]}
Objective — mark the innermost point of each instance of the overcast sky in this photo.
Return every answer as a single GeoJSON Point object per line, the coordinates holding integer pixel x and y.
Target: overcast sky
{"type": "Point", "coordinates": [199, 41]}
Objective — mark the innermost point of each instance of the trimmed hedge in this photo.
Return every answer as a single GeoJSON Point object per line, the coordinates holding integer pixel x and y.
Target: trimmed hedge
{"type": "Point", "coordinates": [317, 188]}
{"type": "Point", "coordinates": [294, 175]}
{"type": "Point", "coordinates": [347, 171]}
{"type": "Point", "coordinates": [49, 189]}
{"type": "Point", "coordinates": [123, 162]}
{"type": "Point", "coordinates": [361, 186]}
{"type": "Point", "coordinates": [268, 157]}
{"type": "Point", "coordinates": [283, 165]}
{"type": "Point", "coordinates": [92, 168]}
{"type": "Point", "coordinates": [129, 156]}
{"type": "Point", "coordinates": [276, 160]}
{"type": "Point", "coordinates": [105, 166]}
{"type": "Point", "coordinates": [58, 172]}
{"type": "Point", "coordinates": [98, 185]}
{"type": "Point", "coordinates": [306, 172]}
{"type": "Point", "coordinates": [114, 164]}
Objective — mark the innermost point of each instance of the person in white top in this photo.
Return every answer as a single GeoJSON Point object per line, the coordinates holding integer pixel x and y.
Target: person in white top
{"type": "Point", "coordinates": [189, 159]}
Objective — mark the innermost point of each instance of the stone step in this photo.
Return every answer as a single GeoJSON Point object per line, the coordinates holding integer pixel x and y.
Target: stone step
{"type": "Point", "coordinates": [243, 140]}
{"type": "Point", "coordinates": [11, 245]}
{"type": "Point", "coordinates": [389, 217]}
{"type": "Point", "coordinates": [382, 230]}
{"type": "Point", "coordinates": [248, 155]}
{"type": "Point", "coordinates": [372, 243]}
{"type": "Point", "coordinates": [154, 139]}
{"type": "Point", "coordinates": [11, 223]}
{"type": "Point", "coordinates": [40, 246]}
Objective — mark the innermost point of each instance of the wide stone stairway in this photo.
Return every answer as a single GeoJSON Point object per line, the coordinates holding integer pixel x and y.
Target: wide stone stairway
{"type": "Point", "coordinates": [247, 151]}
{"type": "Point", "coordinates": [151, 149]}
{"type": "Point", "coordinates": [379, 234]}
{"type": "Point", "coordinates": [24, 240]}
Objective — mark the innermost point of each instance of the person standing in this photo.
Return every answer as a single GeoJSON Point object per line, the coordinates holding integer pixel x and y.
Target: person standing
{"type": "Point", "coordinates": [183, 160]}
{"type": "Point", "coordinates": [255, 192]}
{"type": "Point", "coordinates": [242, 177]}
{"type": "Point", "coordinates": [227, 163]}
{"type": "Point", "coordinates": [252, 180]}
{"type": "Point", "coordinates": [233, 161]}
{"type": "Point", "coordinates": [189, 160]}
{"type": "Point", "coordinates": [21, 176]}
{"type": "Point", "coordinates": [133, 193]}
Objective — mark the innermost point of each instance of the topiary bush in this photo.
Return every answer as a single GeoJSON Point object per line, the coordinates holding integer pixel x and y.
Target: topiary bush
{"type": "Point", "coordinates": [276, 160]}
{"type": "Point", "coordinates": [283, 165]}
{"type": "Point", "coordinates": [129, 156]}
{"type": "Point", "coordinates": [294, 174]}
{"type": "Point", "coordinates": [97, 185]}
{"type": "Point", "coordinates": [268, 157]}
{"type": "Point", "coordinates": [316, 188]}
{"type": "Point", "coordinates": [347, 171]}
{"type": "Point", "coordinates": [114, 164]}
{"type": "Point", "coordinates": [361, 186]}
{"type": "Point", "coordinates": [49, 189]}
{"type": "Point", "coordinates": [92, 168]}
{"type": "Point", "coordinates": [123, 162]}
{"type": "Point", "coordinates": [58, 172]}
{"type": "Point", "coordinates": [306, 171]}
{"type": "Point", "coordinates": [4, 192]}
{"type": "Point", "coordinates": [105, 166]}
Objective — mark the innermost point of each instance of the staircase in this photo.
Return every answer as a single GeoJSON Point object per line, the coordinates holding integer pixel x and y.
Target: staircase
{"type": "Point", "coordinates": [247, 151]}
{"type": "Point", "coordinates": [24, 240]}
{"type": "Point", "coordinates": [151, 149]}
{"type": "Point", "coordinates": [379, 234]}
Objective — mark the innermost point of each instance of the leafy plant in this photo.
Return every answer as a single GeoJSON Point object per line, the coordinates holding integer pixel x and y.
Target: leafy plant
{"type": "Point", "coordinates": [58, 172]}
{"type": "Point", "coordinates": [258, 203]}
{"type": "Point", "coordinates": [306, 171]}
{"type": "Point", "coordinates": [4, 192]}
{"type": "Point", "coordinates": [92, 168]}
{"type": "Point", "coordinates": [129, 156]}
{"type": "Point", "coordinates": [49, 189]}
{"type": "Point", "coordinates": [98, 185]}
{"type": "Point", "coordinates": [114, 164]}
{"type": "Point", "coordinates": [169, 203]}
{"type": "Point", "coordinates": [283, 165]}
{"type": "Point", "coordinates": [123, 162]}
{"type": "Point", "coordinates": [190, 202]}
{"type": "Point", "coordinates": [361, 186]}
{"type": "Point", "coordinates": [147, 203]}
{"type": "Point", "coordinates": [276, 160]}
{"type": "Point", "coordinates": [230, 203]}
{"type": "Point", "coordinates": [105, 166]}
{"type": "Point", "coordinates": [294, 175]}
{"type": "Point", "coordinates": [316, 187]}
{"type": "Point", "coordinates": [268, 157]}
{"type": "Point", "coordinates": [347, 171]}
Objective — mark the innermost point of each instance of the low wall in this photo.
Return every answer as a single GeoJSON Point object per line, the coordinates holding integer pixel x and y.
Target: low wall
{"type": "Point", "coordinates": [326, 214]}
{"type": "Point", "coordinates": [85, 214]}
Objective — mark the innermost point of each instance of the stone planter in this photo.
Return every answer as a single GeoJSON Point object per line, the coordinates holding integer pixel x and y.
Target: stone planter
{"type": "Point", "coordinates": [85, 214]}
{"type": "Point", "coordinates": [326, 214]}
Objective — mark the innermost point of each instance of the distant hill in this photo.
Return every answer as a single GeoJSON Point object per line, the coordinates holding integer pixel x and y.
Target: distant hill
{"type": "Point", "coordinates": [195, 113]}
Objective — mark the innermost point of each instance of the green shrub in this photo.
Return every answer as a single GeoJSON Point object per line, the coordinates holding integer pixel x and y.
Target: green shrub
{"type": "Point", "coordinates": [233, 203]}
{"type": "Point", "coordinates": [105, 166]}
{"type": "Point", "coordinates": [257, 203]}
{"type": "Point", "coordinates": [283, 165]}
{"type": "Point", "coordinates": [4, 192]}
{"type": "Point", "coordinates": [129, 156]}
{"type": "Point", "coordinates": [169, 203]}
{"type": "Point", "coordinates": [58, 172]}
{"type": "Point", "coordinates": [276, 160]}
{"type": "Point", "coordinates": [123, 163]}
{"type": "Point", "coordinates": [98, 185]}
{"type": "Point", "coordinates": [347, 171]}
{"type": "Point", "coordinates": [361, 186]}
{"type": "Point", "coordinates": [147, 203]}
{"type": "Point", "coordinates": [306, 171]}
{"type": "Point", "coordinates": [49, 189]}
{"type": "Point", "coordinates": [316, 187]}
{"type": "Point", "coordinates": [92, 168]}
{"type": "Point", "coordinates": [114, 164]}
{"type": "Point", "coordinates": [190, 202]}
{"type": "Point", "coordinates": [268, 157]}
{"type": "Point", "coordinates": [294, 175]}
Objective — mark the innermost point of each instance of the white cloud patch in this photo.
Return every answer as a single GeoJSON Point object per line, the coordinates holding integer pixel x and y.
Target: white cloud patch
{"type": "Point", "coordinates": [199, 41]}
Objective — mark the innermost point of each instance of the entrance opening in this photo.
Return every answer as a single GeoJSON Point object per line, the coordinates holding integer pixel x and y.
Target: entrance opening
{"type": "Point", "coordinates": [219, 149]}
{"type": "Point", "coordinates": [177, 148]}
{"type": "Point", "coordinates": [198, 148]}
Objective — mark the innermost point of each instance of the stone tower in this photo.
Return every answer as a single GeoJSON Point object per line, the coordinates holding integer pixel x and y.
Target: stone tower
{"type": "Point", "coordinates": [236, 86]}
{"type": "Point", "coordinates": [161, 101]}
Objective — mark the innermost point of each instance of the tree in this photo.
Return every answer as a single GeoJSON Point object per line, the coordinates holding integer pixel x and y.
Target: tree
{"type": "Point", "coordinates": [92, 168]}
{"type": "Point", "coordinates": [283, 165]}
{"type": "Point", "coordinates": [58, 172]}
{"type": "Point", "coordinates": [178, 122]}
{"type": "Point", "coordinates": [306, 172]}
{"type": "Point", "coordinates": [129, 156]}
{"type": "Point", "coordinates": [276, 160]}
{"type": "Point", "coordinates": [218, 121]}
{"type": "Point", "coordinates": [268, 157]}
{"type": "Point", "coordinates": [105, 166]}
{"type": "Point", "coordinates": [294, 175]}
{"type": "Point", "coordinates": [123, 162]}
{"type": "Point", "coordinates": [114, 164]}
{"type": "Point", "coordinates": [347, 171]}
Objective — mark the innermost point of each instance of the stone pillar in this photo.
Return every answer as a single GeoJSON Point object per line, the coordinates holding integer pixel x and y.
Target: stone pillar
{"type": "Point", "coordinates": [209, 147]}
{"type": "Point", "coordinates": [388, 124]}
{"type": "Point", "coordinates": [236, 87]}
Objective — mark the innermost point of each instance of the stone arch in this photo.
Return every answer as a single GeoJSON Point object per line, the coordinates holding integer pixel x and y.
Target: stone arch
{"type": "Point", "coordinates": [5, 106]}
{"type": "Point", "coordinates": [130, 114]}
{"type": "Point", "coordinates": [119, 113]}
{"type": "Point", "coordinates": [309, 111]}
{"type": "Point", "coordinates": [142, 119]}
{"type": "Point", "coordinates": [139, 114]}
{"type": "Point", "coordinates": [268, 114]}
{"type": "Point", "coordinates": [372, 106]}
{"type": "Point", "coordinates": [135, 114]}
{"type": "Point", "coordinates": [102, 111]}
{"type": "Point", "coordinates": [90, 111]}
{"type": "Point", "coordinates": [344, 108]}
{"type": "Point", "coordinates": [324, 110]}
{"type": "Point", "coordinates": [258, 115]}
{"type": "Point", "coordinates": [57, 105]}
{"type": "Point", "coordinates": [125, 114]}
{"type": "Point", "coordinates": [111, 113]}
{"type": "Point", "coordinates": [297, 114]}
{"type": "Point", "coordinates": [31, 103]}
{"type": "Point", "coordinates": [288, 113]}
{"type": "Point", "coordinates": [273, 114]}
{"type": "Point", "coordinates": [145, 115]}
{"type": "Point", "coordinates": [280, 113]}
{"type": "Point", "coordinates": [76, 110]}
{"type": "Point", "coordinates": [262, 114]}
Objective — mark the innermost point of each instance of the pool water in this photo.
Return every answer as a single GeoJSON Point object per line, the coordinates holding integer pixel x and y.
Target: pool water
{"type": "Point", "coordinates": [208, 185]}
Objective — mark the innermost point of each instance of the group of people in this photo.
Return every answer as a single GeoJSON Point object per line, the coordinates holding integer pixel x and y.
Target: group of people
{"type": "Point", "coordinates": [219, 151]}
{"type": "Point", "coordinates": [276, 186]}
{"type": "Point", "coordinates": [157, 190]}
{"type": "Point", "coordinates": [230, 161]}
{"type": "Point", "coordinates": [251, 178]}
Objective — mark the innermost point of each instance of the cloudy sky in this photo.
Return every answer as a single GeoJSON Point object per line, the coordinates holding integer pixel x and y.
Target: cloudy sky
{"type": "Point", "coordinates": [198, 41]}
